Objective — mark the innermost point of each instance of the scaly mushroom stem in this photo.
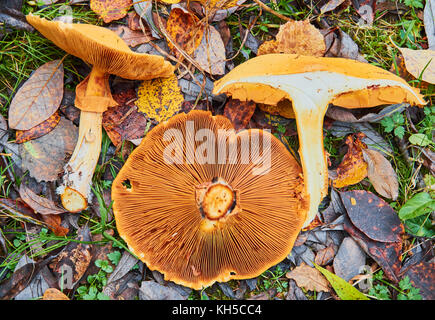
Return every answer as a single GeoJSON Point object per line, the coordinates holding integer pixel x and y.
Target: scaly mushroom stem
{"type": "Point", "coordinates": [80, 168]}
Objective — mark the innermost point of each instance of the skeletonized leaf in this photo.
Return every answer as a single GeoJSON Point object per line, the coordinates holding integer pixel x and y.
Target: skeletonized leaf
{"type": "Point", "coordinates": [343, 289]}
{"type": "Point", "coordinates": [420, 63]}
{"type": "Point", "coordinates": [159, 98]}
{"type": "Point", "coordinates": [381, 174]}
{"type": "Point", "coordinates": [308, 278]}
{"type": "Point", "coordinates": [38, 98]}
{"type": "Point", "coordinates": [39, 204]}
{"type": "Point", "coordinates": [110, 10]}
{"type": "Point", "coordinates": [38, 130]}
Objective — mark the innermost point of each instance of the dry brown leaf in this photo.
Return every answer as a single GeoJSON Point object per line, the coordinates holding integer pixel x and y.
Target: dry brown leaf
{"type": "Point", "coordinates": [38, 98]}
{"type": "Point", "coordinates": [110, 10]}
{"type": "Point", "coordinates": [131, 37]}
{"type": "Point", "coordinates": [298, 37]}
{"type": "Point", "coordinates": [239, 112]}
{"type": "Point", "coordinates": [381, 174]}
{"type": "Point", "coordinates": [309, 278]}
{"type": "Point", "coordinates": [353, 168]}
{"type": "Point", "coordinates": [53, 222]}
{"type": "Point", "coordinates": [331, 5]}
{"type": "Point", "coordinates": [39, 204]}
{"type": "Point", "coordinates": [54, 294]}
{"type": "Point", "coordinates": [185, 30]}
{"type": "Point", "coordinates": [210, 54]}
{"type": "Point", "coordinates": [39, 130]}
{"type": "Point", "coordinates": [420, 63]}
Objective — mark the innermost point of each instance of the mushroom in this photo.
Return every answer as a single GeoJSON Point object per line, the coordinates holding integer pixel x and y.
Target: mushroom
{"type": "Point", "coordinates": [108, 54]}
{"type": "Point", "coordinates": [311, 83]}
{"type": "Point", "coordinates": [198, 221]}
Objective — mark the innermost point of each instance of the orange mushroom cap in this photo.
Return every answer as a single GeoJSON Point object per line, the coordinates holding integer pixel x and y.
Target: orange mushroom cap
{"type": "Point", "coordinates": [200, 223]}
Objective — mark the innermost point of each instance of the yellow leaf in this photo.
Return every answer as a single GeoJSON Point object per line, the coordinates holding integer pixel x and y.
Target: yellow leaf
{"type": "Point", "coordinates": [420, 63]}
{"type": "Point", "coordinates": [159, 98]}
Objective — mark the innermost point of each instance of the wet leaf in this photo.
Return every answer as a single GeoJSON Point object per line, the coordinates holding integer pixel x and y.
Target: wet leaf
{"type": "Point", "coordinates": [420, 204]}
{"type": "Point", "coordinates": [420, 63]}
{"type": "Point", "coordinates": [422, 276]}
{"type": "Point", "coordinates": [353, 168]}
{"type": "Point", "coordinates": [299, 37]}
{"type": "Point", "coordinates": [38, 98]}
{"type": "Point", "coordinates": [110, 10]}
{"type": "Point", "coordinates": [39, 204]}
{"type": "Point", "coordinates": [343, 289]}
{"type": "Point", "coordinates": [372, 216]}
{"type": "Point", "coordinates": [45, 157]}
{"type": "Point", "coordinates": [38, 130]}
{"type": "Point", "coordinates": [308, 278]}
{"type": "Point", "coordinates": [381, 174]}
{"type": "Point", "coordinates": [185, 30]}
{"type": "Point", "coordinates": [160, 98]}
{"type": "Point", "coordinates": [386, 254]}
{"type": "Point", "coordinates": [239, 112]}
{"type": "Point", "coordinates": [210, 54]}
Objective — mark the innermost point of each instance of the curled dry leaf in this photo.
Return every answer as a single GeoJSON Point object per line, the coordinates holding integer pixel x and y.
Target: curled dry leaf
{"type": "Point", "coordinates": [159, 98]}
{"type": "Point", "coordinates": [420, 63]}
{"type": "Point", "coordinates": [39, 204]}
{"type": "Point", "coordinates": [210, 54]}
{"type": "Point", "coordinates": [110, 10]}
{"type": "Point", "coordinates": [185, 30]}
{"type": "Point", "coordinates": [353, 168]}
{"type": "Point", "coordinates": [45, 157]}
{"type": "Point", "coordinates": [309, 278]}
{"type": "Point", "coordinates": [39, 130]}
{"type": "Point", "coordinates": [381, 174]}
{"type": "Point", "coordinates": [38, 98]}
{"type": "Point", "coordinates": [299, 37]}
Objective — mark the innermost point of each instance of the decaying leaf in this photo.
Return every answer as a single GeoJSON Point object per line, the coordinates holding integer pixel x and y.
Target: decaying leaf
{"type": "Point", "coordinates": [381, 174]}
{"type": "Point", "coordinates": [45, 157]}
{"type": "Point", "coordinates": [184, 29]}
{"type": "Point", "coordinates": [54, 294]}
{"type": "Point", "coordinates": [420, 63]}
{"type": "Point", "coordinates": [210, 54]}
{"type": "Point", "coordinates": [422, 276]}
{"type": "Point", "coordinates": [331, 5]}
{"type": "Point", "coordinates": [239, 112]}
{"type": "Point", "coordinates": [110, 10]}
{"type": "Point", "coordinates": [38, 98]}
{"type": "Point", "coordinates": [308, 278]}
{"type": "Point", "coordinates": [132, 38]}
{"type": "Point", "coordinates": [299, 37]}
{"type": "Point", "coordinates": [353, 168]}
{"type": "Point", "coordinates": [160, 98]}
{"type": "Point", "coordinates": [38, 130]}
{"type": "Point", "coordinates": [54, 223]}
{"type": "Point", "coordinates": [39, 204]}
{"type": "Point", "coordinates": [372, 216]}
{"type": "Point", "coordinates": [363, 114]}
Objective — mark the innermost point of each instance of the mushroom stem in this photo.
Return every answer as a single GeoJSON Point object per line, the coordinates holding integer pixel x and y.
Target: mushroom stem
{"type": "Point", "coordinates": [80, 168]}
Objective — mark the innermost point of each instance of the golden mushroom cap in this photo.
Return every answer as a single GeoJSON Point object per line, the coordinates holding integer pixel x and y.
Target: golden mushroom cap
{"type": "Point", "coordinates": [102, 48]}
{"type": "Point", "coordinates": [198, 223]}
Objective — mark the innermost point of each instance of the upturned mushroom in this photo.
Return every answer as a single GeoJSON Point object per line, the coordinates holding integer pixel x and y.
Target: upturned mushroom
{"type": "Point", "coordinates": [311, 83]}
{"type": "Point", "coordinates": [108, 54]}
{"type": "Point", "coordinates": [200, 203]}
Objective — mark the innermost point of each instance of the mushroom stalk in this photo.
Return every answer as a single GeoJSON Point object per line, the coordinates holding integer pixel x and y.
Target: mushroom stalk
{"type": "Point", "coordinates": [80, 168]}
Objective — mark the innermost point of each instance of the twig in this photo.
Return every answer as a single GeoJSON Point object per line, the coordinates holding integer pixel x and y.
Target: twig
{"type": "Point", "coordinates": [279, 15]}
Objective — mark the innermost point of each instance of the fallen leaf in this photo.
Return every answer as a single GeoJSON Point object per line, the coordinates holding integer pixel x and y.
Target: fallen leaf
{"type": "Point", "coordinates": [185, 31]}
{"type": "Point", "coordinates": [340, 44]}
{"type": "Point", "coordinates": [419, 139]}
{"type": "Point", "coordinates": [210, 54]}
{"type": "Point", "coordinates": [39, 130]}
{"type": "Point", "coordinates": [124, 288]}
{"type": "Point", "coordinates": [45, 157]}
{"type": "Point", "coordinates": [39, 204]}
{"type": "Point", "coordinates": [420, 63]}
{"type": "Point", "coordinates": [325, 256]}
{"type": "Point", "coordinates": [381, 174]}
{"type": "Point", "coordinates": [150, 290]}
{"type": "Point", "coordinates": [298, 37]}
{"type": "Point", "coordinates": [54, 294]}
{"type": "Point", "coordinates": [363, 114]}
{"type": "Point", "coordinates": [372, 216]}
{"type": "Point", "coordinates": [429, 23]}
{"type": "Point", "coordinates": [422, 276]}
{"type": "Point", "coordinates": [38, 98]}
{"type": "Point", "coordinates": [160, 98]}
{"type": "Point", "coordinates": [4, 135]}
{"type": "Point", "coordinates": [110, 10]}
{"type": "Point", "coordinates": [54, 223]}
{"type": "Point", "coordinates": [144, 10]}
{"type": "Point", "coordinates": [131, 37]}
{"type": "Point", "coordinates": [353, 168]}
{"type": "Point", "coordinates": [331, 5]}
{"type": "Point", "coordinates": [343, 289]}
{"type": "Point", "coordinates": [309, 278]}
{"type": "Point", "coordinates": [239, 112]}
